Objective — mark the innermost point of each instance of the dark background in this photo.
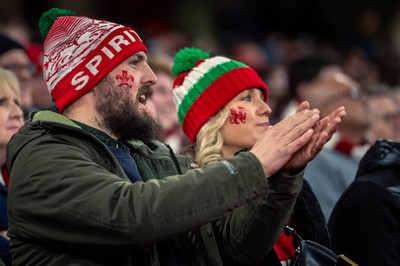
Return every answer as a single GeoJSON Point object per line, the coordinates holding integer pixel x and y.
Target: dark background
{"type": "Point", "coordinates": [323, 19]}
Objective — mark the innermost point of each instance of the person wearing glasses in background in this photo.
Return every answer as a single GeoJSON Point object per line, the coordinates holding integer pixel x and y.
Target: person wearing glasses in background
{"type": "Point", "coordinates": [334, 168]}
{"type": "Point", "coordinates": [14, 57]}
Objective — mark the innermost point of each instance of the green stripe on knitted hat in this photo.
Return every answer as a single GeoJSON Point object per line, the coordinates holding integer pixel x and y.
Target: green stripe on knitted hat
{"type": "Point", "coordinates": [212, 75]}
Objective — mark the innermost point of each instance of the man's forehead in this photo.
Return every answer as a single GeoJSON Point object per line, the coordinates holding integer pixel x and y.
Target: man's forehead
{"type": "Point", "coordinates": [140, 54]}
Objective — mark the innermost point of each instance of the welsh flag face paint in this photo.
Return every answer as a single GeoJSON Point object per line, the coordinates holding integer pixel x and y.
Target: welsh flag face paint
{"type": "Point", "coordinates": [238, 115]}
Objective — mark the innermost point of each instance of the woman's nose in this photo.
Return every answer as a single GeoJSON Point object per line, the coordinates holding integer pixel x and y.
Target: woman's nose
{"type": "Point", "coordinates": [16, 112]}
{"type": "Point", "coordinates": [264, 108]}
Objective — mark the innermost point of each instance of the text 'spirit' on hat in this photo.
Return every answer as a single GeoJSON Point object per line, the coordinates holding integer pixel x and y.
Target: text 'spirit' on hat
{"type": "Point", "coordinates": [79, 52]}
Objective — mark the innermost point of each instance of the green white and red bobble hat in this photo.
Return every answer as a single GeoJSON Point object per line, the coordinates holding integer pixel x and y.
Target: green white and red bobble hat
{"type": "Point", "coordinates": [79, 52]}
{"type": "Point", "coordinates": [204, 85]}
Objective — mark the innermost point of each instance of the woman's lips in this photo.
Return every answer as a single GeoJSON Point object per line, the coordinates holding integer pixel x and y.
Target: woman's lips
{"type": "Point", "coordinates": [13, 127]}
{"type": "Point", "coordinates": [266, 124]}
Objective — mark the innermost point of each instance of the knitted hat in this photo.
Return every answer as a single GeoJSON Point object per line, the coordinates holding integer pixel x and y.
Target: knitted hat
{"type": "Point", "coordinates": [7, 44]}
{"type": "Point", "coordinates": [79, 52]}
{"type": "Point", "coordinates": [204, 85]}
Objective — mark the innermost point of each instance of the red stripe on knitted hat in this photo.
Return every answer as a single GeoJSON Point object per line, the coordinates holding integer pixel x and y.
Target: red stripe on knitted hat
{"type": "Point", "coordinates": [96, 65]}
{"type": "Point", "coordinates": [218, 95]}
{"type": "Point", "coordinates": [181, 77]}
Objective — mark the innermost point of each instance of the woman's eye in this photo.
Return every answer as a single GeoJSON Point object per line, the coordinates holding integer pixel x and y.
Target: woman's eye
{"type": "Point", "coordinates": [3, 101]}
{"type": "Point", "coordinates": [248, 99]}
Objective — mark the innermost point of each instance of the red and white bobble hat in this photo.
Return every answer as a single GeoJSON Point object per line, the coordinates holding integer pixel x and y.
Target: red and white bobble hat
{"type": "Point", "coordinates": [79, 52]}
{"type": "Point", "coordinates": [204, 85]}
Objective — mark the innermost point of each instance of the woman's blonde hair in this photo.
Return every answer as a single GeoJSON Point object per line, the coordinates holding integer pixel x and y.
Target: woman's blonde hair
{"type": "Point", "coordinates": [209, 140]}
{"type": "Point", "coordinates": [8, 79]}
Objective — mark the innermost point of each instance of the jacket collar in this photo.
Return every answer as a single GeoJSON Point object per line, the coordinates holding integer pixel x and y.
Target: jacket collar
{"type": "Point", "coordinates": [383, 154]}
{"type": "Point", "coordinates": [53, 117]}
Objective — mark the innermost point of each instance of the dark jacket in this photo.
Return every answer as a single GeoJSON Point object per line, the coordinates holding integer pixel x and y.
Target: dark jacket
{"type": "Point", "coordinates": [365, 223]}
{"type": "Point", "coordinates": [70, 203]}
{"type": "Point", "coordinates": [308, 221]}
{"type": "Point", "coordinates": [4, 254]}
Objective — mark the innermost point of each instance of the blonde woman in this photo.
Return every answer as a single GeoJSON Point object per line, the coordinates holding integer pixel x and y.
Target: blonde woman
{"type": "Point", "coordinates": [222, 107]}
{"type": "Point", "coordinates": [11, 119]}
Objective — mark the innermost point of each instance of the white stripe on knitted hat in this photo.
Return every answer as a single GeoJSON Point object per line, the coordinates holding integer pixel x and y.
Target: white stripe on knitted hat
{"type": "Point", "coordinates": [194, 75]}
{"type": "Point", "coordinates": [67, 52]}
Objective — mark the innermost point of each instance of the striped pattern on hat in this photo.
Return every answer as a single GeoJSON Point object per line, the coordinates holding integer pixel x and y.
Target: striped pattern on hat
{"type": "Point", "coordinates": [201, 91]}
{"type": "Point", "coordinates": [79, 52]}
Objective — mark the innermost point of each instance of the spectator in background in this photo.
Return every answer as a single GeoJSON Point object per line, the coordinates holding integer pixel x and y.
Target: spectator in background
{"type": "Point", "coordinates": [11, 119]}
{"type": "Point", "coordinates": [41, 97]}
{"type": "Point", "coordinates": [365, 223]}
{"type": "Point", "coordinates": [13, 56]}
{"type": "Point", "coordinates": [383, 113]}
{"type": "Point", "coordinates": [165, 109]}
{"type": "Point", "coordinates": [302, 72]}
{"type": "Point", "coordinates": [333, 169]}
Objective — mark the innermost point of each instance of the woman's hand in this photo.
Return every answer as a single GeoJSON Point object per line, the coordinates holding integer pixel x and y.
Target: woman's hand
{"type": "Point", "coordinates": [323, 132]}
{"type": "Point", "coordinates": [282, 141]}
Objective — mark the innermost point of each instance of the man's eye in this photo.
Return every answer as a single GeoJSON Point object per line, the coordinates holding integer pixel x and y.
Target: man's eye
{"type": "Point", "coordinates": [134, 62]}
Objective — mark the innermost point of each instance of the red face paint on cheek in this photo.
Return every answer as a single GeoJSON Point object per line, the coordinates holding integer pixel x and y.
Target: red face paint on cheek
{"type": "Point", "coordinates": [238, 115]}
{"type": "Point", "coordinates": [124, 79]}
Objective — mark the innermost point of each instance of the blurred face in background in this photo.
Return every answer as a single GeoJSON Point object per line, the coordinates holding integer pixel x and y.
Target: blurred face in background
{"type": "Point", "coordinates": [384, 117]}
{"type": "Point", "coordinates": [162, 98]}
{"type": "Point", "coordinates": [11, 115]}
{"type": "Point", "coordinates": [331, 92]}
{"type": "Point", "coordinates": [17, 61]}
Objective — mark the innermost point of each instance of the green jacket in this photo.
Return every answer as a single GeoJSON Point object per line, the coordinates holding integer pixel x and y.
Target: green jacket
{"type": "Point", "coordinates": [70, 203]}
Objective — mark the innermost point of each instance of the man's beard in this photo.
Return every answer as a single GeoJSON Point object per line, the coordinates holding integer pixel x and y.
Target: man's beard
{"type": "Point", "coordinates": [120, 114]}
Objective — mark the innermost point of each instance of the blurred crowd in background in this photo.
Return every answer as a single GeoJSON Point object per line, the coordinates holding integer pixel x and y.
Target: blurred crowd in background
{"type": "Point", "coordinates": [363, 39]}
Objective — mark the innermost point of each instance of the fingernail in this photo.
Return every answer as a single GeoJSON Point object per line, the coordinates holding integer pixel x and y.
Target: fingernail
{"type": "Point", "coordinates": [315, 111]}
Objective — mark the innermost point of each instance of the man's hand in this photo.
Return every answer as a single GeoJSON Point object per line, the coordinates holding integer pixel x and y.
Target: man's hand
{"type": "Point", "coordinates": [323, 132]}
{"type": "Point", "coordinates": [280, 142]}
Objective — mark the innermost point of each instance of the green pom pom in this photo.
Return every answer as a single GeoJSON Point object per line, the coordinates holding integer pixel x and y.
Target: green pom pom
{"type": "Point", "coordinates": [48, 18]}
{"type": "Point", "coordinates": [186, 58]}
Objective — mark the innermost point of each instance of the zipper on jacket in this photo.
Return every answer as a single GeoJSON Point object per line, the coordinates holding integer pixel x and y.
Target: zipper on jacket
{"type": "Point", "coordinates": [176, 163]}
